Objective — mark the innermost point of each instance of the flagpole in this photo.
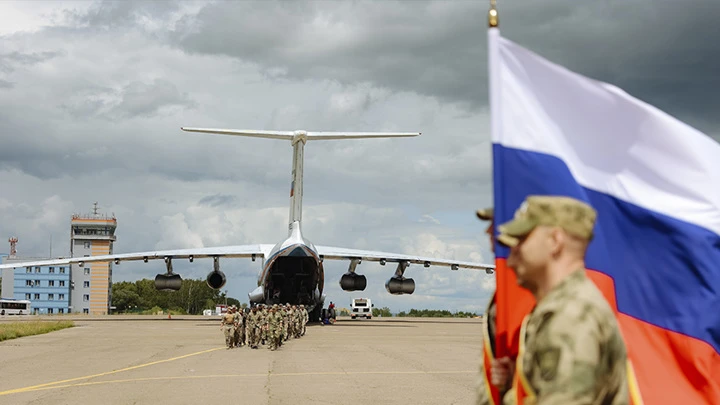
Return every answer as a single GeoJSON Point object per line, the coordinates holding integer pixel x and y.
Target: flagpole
{"type": "Point", "coordinates": [492, 15]}
{"type": "Point", "coordinates": [501, 340]}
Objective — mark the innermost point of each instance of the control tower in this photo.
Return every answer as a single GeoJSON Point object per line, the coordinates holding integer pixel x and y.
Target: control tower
{"type": "Point", "coordinates": [91, 235]}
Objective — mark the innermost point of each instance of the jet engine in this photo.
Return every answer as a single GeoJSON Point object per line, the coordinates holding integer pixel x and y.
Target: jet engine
{"type": "Point", "coordinates": [169, 281]}
{"type": "Point", "coordinates": [257, 295]}
{"type": "Point", "coordinates": [351, 281]}
{"type": "Point", "coordinates": [216, 278]}
{"type": "Point", "coordinates": [400, 285]}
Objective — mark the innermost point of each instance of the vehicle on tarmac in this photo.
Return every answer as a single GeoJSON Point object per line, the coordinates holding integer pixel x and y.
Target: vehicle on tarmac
{"type": "Point", "coordinates": [361, 307]}
{"type": "Point", "coordinates": [9, 306]}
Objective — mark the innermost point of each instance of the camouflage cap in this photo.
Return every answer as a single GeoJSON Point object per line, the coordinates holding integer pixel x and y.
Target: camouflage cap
{"type": "Point", "coordinates": [275, 306]}
{"type": "Point", "coordinates": [485, 214]}
{"type": "Point", "coordinates": [574, 216]}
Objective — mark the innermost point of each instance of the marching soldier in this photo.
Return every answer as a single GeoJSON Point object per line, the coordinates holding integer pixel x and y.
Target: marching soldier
{"type": "Point", "coordinates": [226, 325]}
{"type": "Point", "coordinates": [274, 327]}
{"type": "Point", "coordinates": [571, 348]}
{"type": "Point", "coordinates": [282, 310]}
{"type": "Point", "coordinates": [239, 319]}
{"type": "Point", "coordinates": [296, 322]}
{"type": "Point", "coordinates": [305, 318]}
{"type": "Point", "coordinates": [264, 324]}
{"type": "Point", "coordinates": [253, 327]}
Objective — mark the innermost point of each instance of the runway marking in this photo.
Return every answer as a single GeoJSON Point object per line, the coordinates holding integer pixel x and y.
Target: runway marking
{"type": "Point", "coordinates": [192, 377]}
{"type": "Point", "coordinates": [40, 386]}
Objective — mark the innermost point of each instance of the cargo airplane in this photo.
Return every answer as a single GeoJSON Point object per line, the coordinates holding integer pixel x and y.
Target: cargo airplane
{"type": "Point", "coordinates": [292, 270]}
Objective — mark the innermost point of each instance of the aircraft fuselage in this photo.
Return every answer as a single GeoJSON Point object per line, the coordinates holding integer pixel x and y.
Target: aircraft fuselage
{"type": "Point", "coordinates": [293, 273]}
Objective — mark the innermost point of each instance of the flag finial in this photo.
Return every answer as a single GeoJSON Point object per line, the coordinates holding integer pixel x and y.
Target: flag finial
{"type": "Point", "coordinates": [492, 15]}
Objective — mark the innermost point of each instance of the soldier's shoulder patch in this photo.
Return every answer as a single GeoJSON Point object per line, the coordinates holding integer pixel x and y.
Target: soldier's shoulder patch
{"type": "Point", "coordinates": [548, 361]}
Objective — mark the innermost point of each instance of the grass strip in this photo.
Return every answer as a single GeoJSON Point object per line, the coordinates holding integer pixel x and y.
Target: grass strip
{"type": "Point", "coordinates": [13, 330]}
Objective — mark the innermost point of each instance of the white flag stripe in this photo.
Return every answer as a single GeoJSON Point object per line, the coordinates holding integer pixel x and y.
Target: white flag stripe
{"type": "Point", "coordinates": [611, 142]}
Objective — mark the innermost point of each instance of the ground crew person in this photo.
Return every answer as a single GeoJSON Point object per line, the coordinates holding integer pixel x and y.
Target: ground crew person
{"type": "Point", "coordinates": [571, 349]}
{"type": "Point", "coordinates": [226, 325]}
{"type": "Point", "coordinates": [488, 394]}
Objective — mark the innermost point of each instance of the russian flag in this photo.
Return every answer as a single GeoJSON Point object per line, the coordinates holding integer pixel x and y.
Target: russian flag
{"type": "Point", "coordinates": [655, 183]}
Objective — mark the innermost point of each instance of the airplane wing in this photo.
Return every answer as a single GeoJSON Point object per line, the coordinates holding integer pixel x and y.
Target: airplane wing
{"type": "Point", "coordinates": [199, 253]}
{"type": "Point", "coordinates": [335, 253]}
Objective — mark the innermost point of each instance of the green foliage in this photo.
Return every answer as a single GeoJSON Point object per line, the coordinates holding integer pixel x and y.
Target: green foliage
{"type": "Point", "coordinates": [12, 330]}
{"type": "Point", "coordinates": [383, 312]}
{"type": "Point", "coordinates": [435, 313]}
{"type": "Point", "coordinates": [141, 297]}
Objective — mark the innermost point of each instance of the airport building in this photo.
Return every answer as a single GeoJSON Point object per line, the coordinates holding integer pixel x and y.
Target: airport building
{"type": "Point", "coordinates": [77, 288]}
{"type": "Point", "coordinates": [91, 235]}
{"type": "Point", "coordinates": [47, 287]}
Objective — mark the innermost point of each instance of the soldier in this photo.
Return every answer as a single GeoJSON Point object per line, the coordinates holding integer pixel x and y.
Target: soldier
{"type": "Point", "coordinates": [226, 325]}
{"type": "Point", "coordinates": [486, 389]}
{"type": "Point", "coordinates": [264, 324]}
{"type": "Point", "coordinates": [243, 325]}
{"type": "Point", "coordinates": [571, 349]}
{"type": "Point", "coordinates": [295, 322]}
{"type": "Point", "coordinates": [305, 318]}
{"type": "Point", "coordinates": [283, 328]}
{"type": "Point", "coordinates": [288, 321]}
{"type": "Point", "coordinates": [253, 327]}
{"type": "Point", "coordinates": [274, 320]}
{"type": "Point", "coordinates": [239, 318]}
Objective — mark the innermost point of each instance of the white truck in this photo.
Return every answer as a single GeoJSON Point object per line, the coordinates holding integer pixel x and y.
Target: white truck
{"type": "Point", "coordinates": [361, 307]}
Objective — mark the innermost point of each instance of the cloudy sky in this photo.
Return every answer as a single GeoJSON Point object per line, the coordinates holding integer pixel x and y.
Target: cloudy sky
{"type": "Point", "coordinates": [92, 96]}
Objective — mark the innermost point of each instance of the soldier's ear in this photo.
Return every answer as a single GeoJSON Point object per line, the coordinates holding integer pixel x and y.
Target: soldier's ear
{"type": "Point", "coordinates": [556, 239]}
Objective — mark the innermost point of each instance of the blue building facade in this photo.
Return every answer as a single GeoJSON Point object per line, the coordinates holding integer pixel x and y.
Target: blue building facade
{"type": "Point", "coordinates": [47, 287]}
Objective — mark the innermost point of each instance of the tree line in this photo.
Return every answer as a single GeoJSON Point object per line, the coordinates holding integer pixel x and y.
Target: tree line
{"type": "Point", "coordinates": [141, 297]}
{"type": "Point", "coordinates": [415, 313]}
{"type": "Point", "coordinates": [191, 299]}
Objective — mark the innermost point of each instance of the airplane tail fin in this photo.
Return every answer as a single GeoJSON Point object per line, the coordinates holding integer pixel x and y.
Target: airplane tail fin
{"type": "Point", "coordinates": [298, 139]}
{"type": "Point", "coordinates": [309, 135]}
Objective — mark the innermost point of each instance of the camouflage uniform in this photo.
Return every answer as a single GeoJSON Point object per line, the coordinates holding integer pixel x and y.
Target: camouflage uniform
{"type": "Point", "coordinates": [253, 328]}
{"type": "Point", "coordinates": [297, 317]}
{"type": "Point", "coordinates": [274, 320]}
{"type": "Point", "coordinates": [571, 348]}
{"type": "Point", "coordinates": [305, 318]}
{"type": "Point", "coordinates": [227, 328]}
{"type": "Point", "coordinates": [263, 324]}
{"type": "Point", "coordinates": [291, 322]}
{"type": "Point", "coordinates": [239, 318]}
{"type": "Point", "coordinates": [284, 325]}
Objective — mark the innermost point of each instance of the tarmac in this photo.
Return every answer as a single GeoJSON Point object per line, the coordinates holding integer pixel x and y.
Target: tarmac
{"type": "Point", "coordinates": [183, 360]}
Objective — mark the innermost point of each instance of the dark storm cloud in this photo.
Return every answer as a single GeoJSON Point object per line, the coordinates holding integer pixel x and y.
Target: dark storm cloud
{"type": "Point", "coordinates": [218, 200]}
{"type": "Point", "coordinates": [430, 48]}
{"type": "Point", "coordinates": [4, 84]}
{"type": "Point", "coordinates": [664, 52]}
